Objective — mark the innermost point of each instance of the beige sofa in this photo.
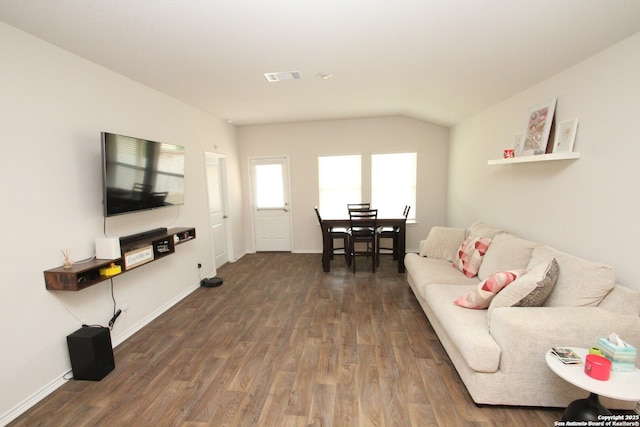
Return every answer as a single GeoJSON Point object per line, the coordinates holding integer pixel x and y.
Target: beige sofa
{"type": "Point", "coordinates": [499, 352]}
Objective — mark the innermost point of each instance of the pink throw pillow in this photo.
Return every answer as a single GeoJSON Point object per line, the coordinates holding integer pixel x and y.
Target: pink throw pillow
{"type": "Point", "coordinates": [470, 255]}
{"type": "Point", "coordinates": [480, 297]}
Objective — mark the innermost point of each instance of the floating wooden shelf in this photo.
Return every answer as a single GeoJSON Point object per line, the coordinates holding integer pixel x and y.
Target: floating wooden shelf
{"type": "Point", "coordinates": [538, 158]}
{"type": "Point", "coordinates": [82, 275]}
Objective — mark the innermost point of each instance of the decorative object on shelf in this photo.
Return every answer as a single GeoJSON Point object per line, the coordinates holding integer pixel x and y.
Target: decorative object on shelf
{"type": "Point", "coordinates": [68, 262]}
{"type": "Point", "coordinates": [508, 153]}
{"type": "Point", "coordinates": [565, 136]}
{"type": "Point", "coordinates": [538, 128]}
{"type": "Point", "coordinates": [517, 144]}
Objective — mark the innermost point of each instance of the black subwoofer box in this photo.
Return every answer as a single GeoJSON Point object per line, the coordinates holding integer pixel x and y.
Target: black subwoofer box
{"type": "Point", "coordinates": [91, 353]}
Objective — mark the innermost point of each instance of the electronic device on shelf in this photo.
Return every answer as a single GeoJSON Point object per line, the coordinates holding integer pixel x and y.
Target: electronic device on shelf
{"type": "Point", "coordinates": [139, 174]}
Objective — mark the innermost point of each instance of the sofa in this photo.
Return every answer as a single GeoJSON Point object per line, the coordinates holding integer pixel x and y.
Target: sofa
{"type": "Point", "coordinates": [498, 303]}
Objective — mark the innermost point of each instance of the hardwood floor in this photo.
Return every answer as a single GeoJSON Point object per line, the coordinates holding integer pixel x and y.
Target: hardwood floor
{"type": "Point", "coordinates": [282, 343]}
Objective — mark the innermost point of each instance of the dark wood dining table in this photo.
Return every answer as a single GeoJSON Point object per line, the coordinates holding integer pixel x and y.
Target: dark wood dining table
{"type": "Point", "coordinates": [327, 223]}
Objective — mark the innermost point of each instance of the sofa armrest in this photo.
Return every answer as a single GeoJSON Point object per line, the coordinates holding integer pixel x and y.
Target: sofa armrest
{"type": "Point", "coordinates": [525, 334]}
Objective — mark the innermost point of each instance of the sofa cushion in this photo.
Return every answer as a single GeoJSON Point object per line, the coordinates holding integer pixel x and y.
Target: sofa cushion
{"type": "Point", "coordinates": [467, 329]}
{"type": "Point", "coordinates": [443, 243]}
{"type": "Point", "coordinates": [528, 290]}
{"type": "Point", "coordinates": [425, 271]}
{"type": "Point", "coordinates": [622, 300]}
{"type": "Point", "coordinates": [480, 297]}
{"type": "Point", "coordinates": [581, 283]}
{"type": "Point", "coordinates": [507, 252]}
{"type": "Point", "coordinates": [481, 229]}
{"type": "Point", "coordinates": [470, 253]}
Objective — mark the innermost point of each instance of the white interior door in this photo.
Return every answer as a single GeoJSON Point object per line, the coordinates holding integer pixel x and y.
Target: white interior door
{"type": "Point", "coordinates": [270, 204]}
{"type": "Point", "coordinates": [216, 185]}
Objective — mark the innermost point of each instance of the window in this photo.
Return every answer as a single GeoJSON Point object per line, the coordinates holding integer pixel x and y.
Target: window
{"type": "Point", "coordinates": [340, 183]}
{"type": "Point", "coordinates": [393, 183]}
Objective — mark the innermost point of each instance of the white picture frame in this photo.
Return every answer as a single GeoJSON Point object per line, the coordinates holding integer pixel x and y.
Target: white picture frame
{"type": "Point", "coordinates": [517, 144]}
{"type": "Point", "coordinates": [536, 133]}
{"type": "Point", "coordinates": [565, 136]}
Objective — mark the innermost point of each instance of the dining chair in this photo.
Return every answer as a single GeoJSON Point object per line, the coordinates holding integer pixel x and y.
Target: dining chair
{"type": "Point", "coordinates": [362, 235]}
{"type": "Point", "coordinates": [390, 233]}
{"type": "Point", "coordinates": [336, 233]}
{"type": "Point", "coordinates": [358, 206]}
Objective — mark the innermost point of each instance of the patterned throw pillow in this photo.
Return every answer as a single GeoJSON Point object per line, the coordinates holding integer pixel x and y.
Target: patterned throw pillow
{"type": "Point", "coordinates": [530, 289]}
{"type": "Point", "coordinates": [481, 296]}
{"type": "Point", "coordinates": [470, 255]}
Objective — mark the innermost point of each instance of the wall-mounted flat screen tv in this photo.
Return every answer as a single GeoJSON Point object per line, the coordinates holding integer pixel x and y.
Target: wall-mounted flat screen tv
{"type": "Point", "coordinates": [138, 174]}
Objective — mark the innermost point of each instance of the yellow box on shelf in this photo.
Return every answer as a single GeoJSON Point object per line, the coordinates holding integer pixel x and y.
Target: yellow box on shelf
{"type": "Point", "coordinates": [112, 270]}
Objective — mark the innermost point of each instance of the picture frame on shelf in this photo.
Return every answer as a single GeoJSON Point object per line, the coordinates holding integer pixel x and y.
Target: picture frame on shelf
{"type": "Point", "coordinates": [536, 134]}
{"type": "Point", "coordinates": [517, 144]}
{"type": "Point", "coordinates": [565, 136]}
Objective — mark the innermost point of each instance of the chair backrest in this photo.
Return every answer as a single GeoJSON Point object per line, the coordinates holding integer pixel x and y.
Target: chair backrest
{"type": "Point", "coordinates": [318, 215]}
{"type": "Point", "coordinates": [363, 219]}
{"type": "Point", "coordinates": [407, 208]}
{"type": "Point", "coordinates": [358, 206]}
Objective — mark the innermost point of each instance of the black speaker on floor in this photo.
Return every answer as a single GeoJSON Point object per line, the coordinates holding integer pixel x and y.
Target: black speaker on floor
{"type": "Point", "coordinates": [91, 353]}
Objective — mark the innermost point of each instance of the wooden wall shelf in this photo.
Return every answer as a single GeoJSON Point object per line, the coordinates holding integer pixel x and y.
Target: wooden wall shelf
{"type": "Point", "coordinates": [538, 158]}
{"type": "Point", "coordinates": [82, 275]}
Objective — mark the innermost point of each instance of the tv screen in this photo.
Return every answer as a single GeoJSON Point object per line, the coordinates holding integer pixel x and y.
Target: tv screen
{"type": "Point", "coordinates": [138, 174]}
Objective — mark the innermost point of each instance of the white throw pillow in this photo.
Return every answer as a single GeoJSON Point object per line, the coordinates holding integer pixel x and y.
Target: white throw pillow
{"type": "Point", "coordinates": [443, 243]}
{"type": "Point", "coordinates": [529, 290]}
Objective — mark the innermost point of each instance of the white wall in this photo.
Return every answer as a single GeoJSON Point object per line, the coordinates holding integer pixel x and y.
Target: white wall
{"type": "Point", "coordinates": [53, 107]}
{"type": "Point", "coordinates": [304, 142]}
{"type": "Point", "coordinates": [588, 207]}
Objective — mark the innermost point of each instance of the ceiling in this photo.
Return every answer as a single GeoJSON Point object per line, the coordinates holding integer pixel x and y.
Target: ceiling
{"type": "Point", "coordinates": [434, 60]}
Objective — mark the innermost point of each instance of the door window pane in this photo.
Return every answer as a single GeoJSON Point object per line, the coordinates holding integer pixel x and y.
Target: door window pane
{"type": "Point", "coordinates": [269, 187]}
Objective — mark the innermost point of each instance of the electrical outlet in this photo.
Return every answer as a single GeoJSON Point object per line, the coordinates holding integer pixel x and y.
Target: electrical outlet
{"type": "Point", "coordinates": [124, 305]}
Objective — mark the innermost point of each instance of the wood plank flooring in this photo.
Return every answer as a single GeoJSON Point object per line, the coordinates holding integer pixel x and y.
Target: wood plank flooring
{"type": "Point", "coordinates": [282, 343]}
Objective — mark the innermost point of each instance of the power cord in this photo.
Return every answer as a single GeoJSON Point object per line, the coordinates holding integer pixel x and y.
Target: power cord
{"type": "Point", "coordinates": [117, 312]}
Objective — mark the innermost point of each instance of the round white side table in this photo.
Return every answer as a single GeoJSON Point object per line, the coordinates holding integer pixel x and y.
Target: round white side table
{"type": "Point", "coordinates": [620, 385]}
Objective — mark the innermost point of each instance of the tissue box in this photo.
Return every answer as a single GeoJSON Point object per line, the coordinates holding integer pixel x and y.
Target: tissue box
{"type": "Point", "coordinates": [623, 359]}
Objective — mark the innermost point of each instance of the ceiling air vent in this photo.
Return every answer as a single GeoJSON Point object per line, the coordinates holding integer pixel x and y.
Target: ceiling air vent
{"type": "Point", "coordinates": [283, 75]}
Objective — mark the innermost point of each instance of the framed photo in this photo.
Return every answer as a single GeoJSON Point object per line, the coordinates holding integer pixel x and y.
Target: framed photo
{"type": "Point", "coordinates": [536, 134]}
{"type": "Point", "coordinates": [565, 136]}
{"type": "Point", "coordinates": [517, 144]}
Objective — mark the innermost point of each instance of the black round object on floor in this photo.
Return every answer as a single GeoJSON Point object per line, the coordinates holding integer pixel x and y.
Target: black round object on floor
{"type": "Point", "coordinates": [212, 282]}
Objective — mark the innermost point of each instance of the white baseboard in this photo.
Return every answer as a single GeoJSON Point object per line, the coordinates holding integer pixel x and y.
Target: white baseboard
{"type": "Point", "coordinates": [22, 407]}
{"type": "Point", "coordinates": [29, 402]}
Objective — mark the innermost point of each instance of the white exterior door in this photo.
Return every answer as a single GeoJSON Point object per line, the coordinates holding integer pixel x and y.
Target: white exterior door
{"type": "Point", "coordinates": [216, 184]}
{"type": "Point", "coordinates": [270, 204]}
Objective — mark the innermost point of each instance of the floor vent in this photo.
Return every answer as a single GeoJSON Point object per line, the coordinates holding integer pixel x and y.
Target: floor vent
{"type": "Point", "coordinates": [283, 75]}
